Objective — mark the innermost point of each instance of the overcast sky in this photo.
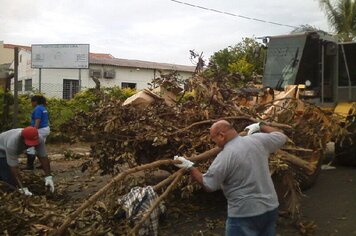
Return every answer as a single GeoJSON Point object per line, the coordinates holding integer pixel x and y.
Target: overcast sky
{"type": "Point", "coordinates": [153, 30]}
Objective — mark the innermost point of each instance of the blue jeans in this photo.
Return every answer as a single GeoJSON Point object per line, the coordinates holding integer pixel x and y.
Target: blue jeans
{"type": "Point", "coordinates": [260, 225]}
{"type": "Point", "coordinates": [5, 173]}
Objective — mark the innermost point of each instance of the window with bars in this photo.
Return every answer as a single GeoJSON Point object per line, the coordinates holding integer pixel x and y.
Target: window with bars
{"type": "Point", "coordinates": [70, 88]}
{"type": "Point", "coordinates": [28, 85]}
{"type": "Point", "coordinates": [128, 85]}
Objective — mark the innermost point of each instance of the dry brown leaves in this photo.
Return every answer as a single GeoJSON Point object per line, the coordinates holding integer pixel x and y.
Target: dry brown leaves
{"type": "Point", "coordinates": [126, 136]}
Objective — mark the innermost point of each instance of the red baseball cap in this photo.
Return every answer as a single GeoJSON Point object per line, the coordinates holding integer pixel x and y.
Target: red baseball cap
{"type": "Point", "coordinates": [30, 134]}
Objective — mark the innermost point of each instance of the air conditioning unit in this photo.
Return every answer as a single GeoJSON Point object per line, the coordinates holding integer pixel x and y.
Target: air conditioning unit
{"type": "Point", "coordinates": [109, 74]}
{"type": "Point", "coordinates": [95, 73]}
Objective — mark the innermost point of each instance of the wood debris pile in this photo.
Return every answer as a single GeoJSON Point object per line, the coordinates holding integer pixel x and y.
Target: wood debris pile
{"type": "Point", "coordinates": [127, 136]}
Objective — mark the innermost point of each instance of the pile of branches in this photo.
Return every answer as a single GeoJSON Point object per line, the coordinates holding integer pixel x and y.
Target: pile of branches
{"type": "Point", "coordinates": [44, 212]}
{"type": "Point", "coordinates": [127, 136]}
{"type": "Point", "coordinates": [130, 139]}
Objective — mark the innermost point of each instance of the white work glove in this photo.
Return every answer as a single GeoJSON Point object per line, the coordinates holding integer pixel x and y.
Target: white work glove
{"type": "Point", "coordinates": [25, 191]}
{"type": "Point", "coordinates": [49, 182]}
{"type": "Point", "coordinates": [186, 164]}
{"type": "Point", "coordinates": [254, 128]}
{"type": "Point", "coordinates": [31, 151]}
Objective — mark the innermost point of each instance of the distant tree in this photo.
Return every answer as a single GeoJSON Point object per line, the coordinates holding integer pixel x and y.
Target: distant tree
{"type": "Point", "coordinates": [305, 28]}
{"type": "Point", "coordinates": [245, 57]}
{"type": "Point", "coordinates": [341, 15]}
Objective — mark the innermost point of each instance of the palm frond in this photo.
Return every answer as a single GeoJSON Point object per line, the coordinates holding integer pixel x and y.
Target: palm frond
{"type": "Point", "coordinates": [341, 16]}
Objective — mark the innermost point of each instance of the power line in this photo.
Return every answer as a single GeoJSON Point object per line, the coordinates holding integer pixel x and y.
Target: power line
{"type": "Point", "coordinates": [235, 15]}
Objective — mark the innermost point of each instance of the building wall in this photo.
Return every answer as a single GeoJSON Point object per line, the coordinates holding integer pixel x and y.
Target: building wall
{"type": "Point", "coordinates": [140, 77]}
{"type": "Point", "coordinates": [6, 54]}
{"type": "Point", "coordinates": [54, 81]}
{"type": "Point", "coordinates": [25, 71]}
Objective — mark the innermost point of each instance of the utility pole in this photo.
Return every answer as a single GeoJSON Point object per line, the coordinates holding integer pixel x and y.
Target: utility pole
{"type": "Point", "coordinates": [39, 80]}
{"type": "Point", "coordinates": [80, 80]}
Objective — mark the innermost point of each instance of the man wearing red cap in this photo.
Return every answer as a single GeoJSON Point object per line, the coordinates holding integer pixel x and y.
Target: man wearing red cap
{"type": "Point", "coordinates": [12, 144]}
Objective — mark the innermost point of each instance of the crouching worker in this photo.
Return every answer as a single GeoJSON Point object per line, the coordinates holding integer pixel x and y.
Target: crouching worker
{"type": "Point", "coordinates": [12, 144]}
{"type": "Point", "coordinates": [241, 171]}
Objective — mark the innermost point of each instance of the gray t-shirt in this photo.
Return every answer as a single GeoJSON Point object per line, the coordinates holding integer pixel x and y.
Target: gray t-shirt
{"type": "Point", "coordinates": [241, 171]}
{"type": "Point", "coordinates": [12, 145]}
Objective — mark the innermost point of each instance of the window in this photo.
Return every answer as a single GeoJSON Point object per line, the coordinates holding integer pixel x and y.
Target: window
{"type": "Point", "coordinates": [19, 86]}
{"type": "Point", "coordinates": [350, 50]}
{"type": "Point", "coordinates": [95, 73]}
{"type": "Point", "coordinates": [128, 85]}
{"type": "Point", "coordinates": [109, 74]}
{"type": "Point", "coordinates": [70, 88]}
{"type": "Point", "coordinates": [28, 84]}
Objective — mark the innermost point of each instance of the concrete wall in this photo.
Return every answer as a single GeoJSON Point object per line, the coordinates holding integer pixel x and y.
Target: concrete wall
{"type": "Point", "coordinates": [52, 79]}
{"type": "Point", "coordinates": [6, 54]}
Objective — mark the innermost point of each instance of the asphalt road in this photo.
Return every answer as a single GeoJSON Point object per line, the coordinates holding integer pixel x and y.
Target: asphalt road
{"type": "Point", "coordinates": [330, 205]}
{"type": "Point", "coordinates": [331, 202]}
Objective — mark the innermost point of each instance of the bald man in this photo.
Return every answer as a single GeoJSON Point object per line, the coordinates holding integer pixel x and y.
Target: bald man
{"type": "Point", "coordinates": [241, 171]}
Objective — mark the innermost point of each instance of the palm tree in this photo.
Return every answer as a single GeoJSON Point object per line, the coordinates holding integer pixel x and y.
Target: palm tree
{"type": "Point", "coordinates": [341, 15]}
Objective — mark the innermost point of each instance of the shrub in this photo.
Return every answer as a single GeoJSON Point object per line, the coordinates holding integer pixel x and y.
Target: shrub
{"type": "Point", "coordinates": [60, 110]}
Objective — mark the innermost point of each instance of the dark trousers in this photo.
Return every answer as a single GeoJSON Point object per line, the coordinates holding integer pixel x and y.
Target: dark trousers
{"type": "Point", "coordinates": [5, 172]}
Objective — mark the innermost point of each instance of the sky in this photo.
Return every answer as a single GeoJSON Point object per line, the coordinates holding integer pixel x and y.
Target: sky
{"type": "Point", "coordinates": [152, 30]}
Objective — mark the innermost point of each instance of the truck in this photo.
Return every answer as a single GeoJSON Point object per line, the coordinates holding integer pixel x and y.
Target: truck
{"type": "Point", "coordinates": [321, 70]}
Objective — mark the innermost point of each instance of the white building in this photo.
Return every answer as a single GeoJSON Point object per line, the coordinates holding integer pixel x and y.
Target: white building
{"type": "Point", "coordinates": [64, 83]}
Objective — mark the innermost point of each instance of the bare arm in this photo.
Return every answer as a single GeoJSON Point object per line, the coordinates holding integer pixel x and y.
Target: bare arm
{"type": "Point", "coordinates": [197, 175]}
{"type": "Point", "coordinates": [37, 123]}
{"type": "Point", "coordinates": [45, 165]}
{"type": "Point", "coordinates": [15, 175]}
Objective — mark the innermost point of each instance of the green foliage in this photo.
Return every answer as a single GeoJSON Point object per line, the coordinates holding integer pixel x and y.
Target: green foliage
{"type": "Point", "coordinates": [60, 110]}
{"type": "Point", "coordinates": [25, 110]}
{"type": "Point", "coordinates": [242, 66]}
{"type": "Point", "coordinates": [6, 119]}
{"type": "Point", "coordinates": [223, 58]}
{"type": "Point", "coordinates": [188, 96]}
{"type": "Point", "coordinates": [246, 57]}
{"type": "Point", "coordinates": [341, 15]}
{"type": "Point", "coordinates": [121, 94]}
{"type": "Point", "coordinates": [306, 28]}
